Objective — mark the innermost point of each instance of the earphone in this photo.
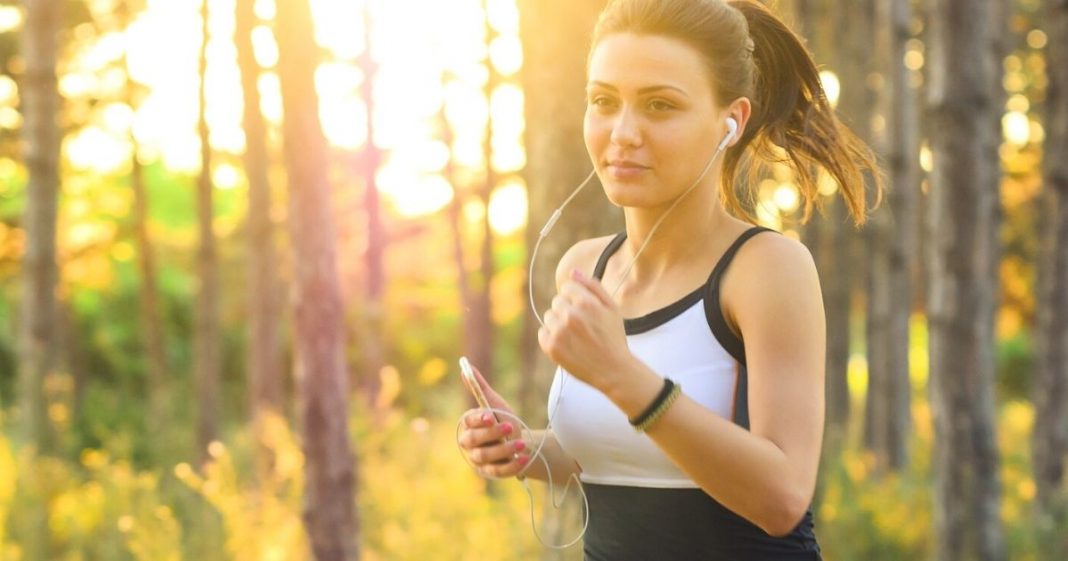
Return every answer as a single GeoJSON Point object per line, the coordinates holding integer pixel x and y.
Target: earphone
{"type": "Point", "coordinates": [732, 129]}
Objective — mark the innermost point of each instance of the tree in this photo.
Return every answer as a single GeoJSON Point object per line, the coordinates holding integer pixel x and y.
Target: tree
{"type": "Point", "coordinates": [264, 347]}
{"type": "Point", "coordinates": [892, 244]}
{"type": "Point", "coordinates": [1050, 439]}
{"type": "Point", "coordinates": [329, 468]}
{"type": "Point", "coordinates": [206, 338]}
{"type": "Point", "coordinates": [37, 330]}
{"type": "Point", "coordinates": [961, 218]}
{"type": "Point", "coordinates": [554, 77]}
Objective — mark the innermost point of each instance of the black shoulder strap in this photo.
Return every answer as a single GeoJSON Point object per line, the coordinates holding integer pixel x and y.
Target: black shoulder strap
{"type": "Point", "coordinates": [611, 248]}
{"type": "Point", "coordinates": [713, 312]}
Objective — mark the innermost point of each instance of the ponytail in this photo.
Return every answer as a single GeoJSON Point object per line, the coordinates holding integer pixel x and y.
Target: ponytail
{"type": "Point", "coordinates": [793, 123]}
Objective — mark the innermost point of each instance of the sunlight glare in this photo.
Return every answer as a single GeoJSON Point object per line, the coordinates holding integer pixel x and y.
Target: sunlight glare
{"type": "Point", "coordinates": [786, 197]}
{"type": "Point", "coordinates": [264, 47]}
{"type": "Point", "coordinates": [9, 91]}
{"type": "Point", "coordinates": [506, 52]}
{"type": "Point", "coordinates": [831, 86]}
{"type": "Point", "coordinates": [1016, 127]}
{"type": "Point", "coordinates": [93, 148]}
{"type": "Point", "coordinates": [227, 176]}
{"type": "Point", "coordinates": [503, 16]}
{"type": "Point", "coordinates": [10, 18]}
{"type": "Point", "coordinates": [427, 195]}
{"type": "Point", "coordinates": [508, 208]}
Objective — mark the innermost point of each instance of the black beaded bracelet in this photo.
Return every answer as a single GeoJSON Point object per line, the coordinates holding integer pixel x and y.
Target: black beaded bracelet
{"type": "Point", "coordinates": [661, 397]}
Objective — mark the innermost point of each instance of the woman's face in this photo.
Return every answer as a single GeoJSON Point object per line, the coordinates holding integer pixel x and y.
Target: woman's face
{"type": "Point", "coordinates": [652, 122]}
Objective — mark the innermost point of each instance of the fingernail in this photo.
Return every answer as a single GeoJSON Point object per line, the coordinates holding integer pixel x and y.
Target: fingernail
{"type": "Point", "coordinates": [506, 428]}
{"type": "Point", "coordinates": [486, 417]}
{"type": "Point", "coordinates": [577, 274]}
{"type": "Point", "coordinates": [523, 460]}
{"type": "Point", "coordinates": [520, 445]}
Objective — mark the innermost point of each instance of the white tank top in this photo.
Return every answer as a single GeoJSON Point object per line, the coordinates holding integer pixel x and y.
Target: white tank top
{"type": "Point", "coordinates": [677, 342]}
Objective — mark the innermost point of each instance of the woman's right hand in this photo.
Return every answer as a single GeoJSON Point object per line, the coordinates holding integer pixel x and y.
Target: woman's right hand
{"type": "Point", "coordinates": [496, 448]}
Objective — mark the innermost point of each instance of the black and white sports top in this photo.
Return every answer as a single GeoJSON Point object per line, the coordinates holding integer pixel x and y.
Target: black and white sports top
{"type": "Point", "coordinates": [641, 505]}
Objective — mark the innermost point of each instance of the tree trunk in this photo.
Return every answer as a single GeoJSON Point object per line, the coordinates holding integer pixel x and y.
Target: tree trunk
{"type": "Point", "coordinates": [330, 472]}
{"type": "Point", "coordinates": [151, 324]}
{"type": "Point", "coordinates": [41, 137]}
{"type": "Point", "coordinates": [961, 299]}
{"type": "Point", "coordinates": [478, 316]}
{"type": "Point", "coordinates": [373, 341]}
{"type": "Point", "coordinates": [37, 334]}
{"type": "Point", "coordinates": [264, 346]}
{"type": "Point", "coordinates": [206, 339]}
{"type": "Point", "coordinates": [554, 66]}
{"type": "Point", "coordinates": [892, 248]}
{"type": "Point", "coordinates": [1050, 439]}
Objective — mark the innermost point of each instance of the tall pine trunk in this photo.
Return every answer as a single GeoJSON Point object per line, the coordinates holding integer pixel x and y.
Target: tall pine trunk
{"type": "Point", "coordinates": [961, 298]}
{"type": "Point", "coordinates": [152, 333]}
{"type": "Point", "coordinates": [37, 334]}
{"type": "Point", "coordinates": [206, 338]}
{"type": "Point", "coordinates": [892, 250]}
{"type": "Point", "coordinates": [374, 351]}
{"type": "Point", "coordinates": [1050, 439]}
{"type": "Point", "coordinates": [329, 467]}
{"type": "Point", "coordinates": [264, 344]}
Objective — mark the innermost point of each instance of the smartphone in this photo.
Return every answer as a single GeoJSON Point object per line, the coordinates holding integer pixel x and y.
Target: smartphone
{"type": "Point", "coordinates": [468, 375]}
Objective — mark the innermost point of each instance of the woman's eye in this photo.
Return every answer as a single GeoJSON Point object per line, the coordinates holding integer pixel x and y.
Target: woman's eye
{"type": "Point", "coordinates": [600, 101]}
{"type": "Point", "coordinates": [658, 105]}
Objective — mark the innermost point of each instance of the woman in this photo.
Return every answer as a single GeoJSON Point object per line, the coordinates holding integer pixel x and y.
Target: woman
{"type": "Point", "coordinates": [724, 468]}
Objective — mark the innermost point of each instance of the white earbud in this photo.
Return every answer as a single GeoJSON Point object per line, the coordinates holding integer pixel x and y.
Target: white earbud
{"type": "Point", "coordinates": [732, 127]}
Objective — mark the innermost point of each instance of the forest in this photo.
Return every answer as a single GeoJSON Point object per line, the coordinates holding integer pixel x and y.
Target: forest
{"type": "Point", "coordinates": [243, 244]}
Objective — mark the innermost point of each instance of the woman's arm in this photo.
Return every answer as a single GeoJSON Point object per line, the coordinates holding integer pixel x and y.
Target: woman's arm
{"type": "Point", "coordinates": [563, 466]}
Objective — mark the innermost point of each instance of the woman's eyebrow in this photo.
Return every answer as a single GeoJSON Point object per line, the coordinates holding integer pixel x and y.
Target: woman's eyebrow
{"type": "Point", "coordinates": [641, 91]}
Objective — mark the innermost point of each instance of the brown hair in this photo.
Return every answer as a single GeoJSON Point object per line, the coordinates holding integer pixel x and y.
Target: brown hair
{"type": "Point", "coordinates": [751, 53]}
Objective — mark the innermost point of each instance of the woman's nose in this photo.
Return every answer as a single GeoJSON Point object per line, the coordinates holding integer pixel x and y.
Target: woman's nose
{"type": "Point", "coordinates": [626, 130]}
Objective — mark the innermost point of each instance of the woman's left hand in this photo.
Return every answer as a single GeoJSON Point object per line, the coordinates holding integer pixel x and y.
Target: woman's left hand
{"type": "Point", "coordinates": [584, 332]}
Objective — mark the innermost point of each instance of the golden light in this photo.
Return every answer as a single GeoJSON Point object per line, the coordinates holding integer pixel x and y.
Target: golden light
{"type": "Point", "coordinates": [10, 18]}
{"type": "Point", "coordinates": [1016, 127]}
{"type": "Point", "coordinates": [503, 16]}
{"type": "Point", "coordinates": [411, 56]}
{"type": "Point", "coordinates": [508, 208]}
{"type": "Point", "coordinates": [95, 149]}
{"type": "Point", "coordinates": [506, 53]}
{"type": "Point", "coordinates": [826, 185]}
{"type": "Point", "coordinates": [926, 158]}
{"type": "Point", "coordinates": [1036, 39]}
{"type": "Point", "coordinates": [10, 118]}
{"type": "Point", "coordinates": [9, 91]}
{"type": "Point", "coordinates": [786, 197]}
{"type": "Point", "coordinates": [831, 86]}
{"type": "Point", "coordinates": [914, 60]}
{"type": "Point", "coordinates": [118, 118]}
{"type": "Point", "coordinates": [226, 176]}
{"type": "Point", "coordinates": [264, 47]}
{"type": "Point", "coordinates": [1018, 102]}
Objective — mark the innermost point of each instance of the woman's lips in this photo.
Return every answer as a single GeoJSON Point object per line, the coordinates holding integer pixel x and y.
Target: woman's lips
{"type": "Point", "coordinates": [621, 169]}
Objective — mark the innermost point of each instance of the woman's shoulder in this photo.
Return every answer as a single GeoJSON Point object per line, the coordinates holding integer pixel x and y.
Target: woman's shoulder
{"type": "Point", "coordinates": [583, 256]}
{"type": "Point", "coordinates": [770, 268]}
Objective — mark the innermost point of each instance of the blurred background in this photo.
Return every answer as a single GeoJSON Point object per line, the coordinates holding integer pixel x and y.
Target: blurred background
{"type": "Point", "coordinates": [244, 242]}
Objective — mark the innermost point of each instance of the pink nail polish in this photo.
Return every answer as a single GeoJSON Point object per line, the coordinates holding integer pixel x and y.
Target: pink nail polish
{"type": "Point", "coordinates": [520, 445]}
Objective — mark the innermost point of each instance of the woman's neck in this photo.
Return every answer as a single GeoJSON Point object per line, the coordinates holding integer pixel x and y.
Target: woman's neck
{"type": "Point", "coordinates": [683, 235]}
